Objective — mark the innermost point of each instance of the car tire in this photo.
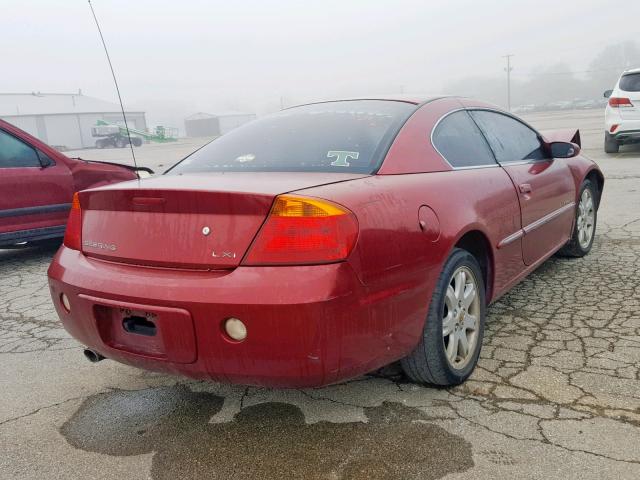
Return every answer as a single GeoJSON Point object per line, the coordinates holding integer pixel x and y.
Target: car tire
{"type": "Point", "coordinates": [439, 358]}
{"type": "Point", "coordinates": [611, 145]}
{"type": "Point", "coordinates": [584, 224]}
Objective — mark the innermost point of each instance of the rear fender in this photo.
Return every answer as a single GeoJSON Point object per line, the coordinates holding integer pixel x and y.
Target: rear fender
{"type": "Point", "coordinates": [475, 239]}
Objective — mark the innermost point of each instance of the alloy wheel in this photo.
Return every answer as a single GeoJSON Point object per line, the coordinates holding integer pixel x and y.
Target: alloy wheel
{"type": "Point", "coordinates": [586, 219]}
{"type": "Point", "coordinates": [461, 316]}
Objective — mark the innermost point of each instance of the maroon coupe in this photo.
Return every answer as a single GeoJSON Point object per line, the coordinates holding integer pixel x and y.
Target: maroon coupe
{"type": "Point", "coordinates": [37, 184]}
{"type": "Point", "coordinates": [325, 241]}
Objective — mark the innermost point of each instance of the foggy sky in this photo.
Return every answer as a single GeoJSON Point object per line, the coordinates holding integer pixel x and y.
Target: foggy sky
{"type": "Point", "coordinates": [186, 56]}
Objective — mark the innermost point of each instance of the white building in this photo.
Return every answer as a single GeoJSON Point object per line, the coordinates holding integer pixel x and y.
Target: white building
{"type": "Point", "coordinates": [63, 120]}
{"type": "Point", "coordinates": [207, 125]}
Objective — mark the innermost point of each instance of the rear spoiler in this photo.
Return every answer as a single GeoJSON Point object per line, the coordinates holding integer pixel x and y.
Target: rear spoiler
{"type": "Point", "coordinates": [568, 135]}
{"type": "Point", "coordinates": [128, 167]}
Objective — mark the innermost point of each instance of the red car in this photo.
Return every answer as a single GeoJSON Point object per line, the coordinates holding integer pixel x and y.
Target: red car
{"type": "Point", "coordinates": [37, 184]}
{"type": "Point", "coordinates": [323, 242]}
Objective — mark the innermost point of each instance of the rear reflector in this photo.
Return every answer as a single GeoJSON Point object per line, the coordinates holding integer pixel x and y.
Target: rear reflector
{"type": "Point", "coordinates": [613, 127]}
{"type": "Point", "coordinates": [235, 329]}
{"type": "Point", "coordinates": [617, 102]}
{"type": "Point", "coordinates": [66, 304]}
{"type": "Point", "coordinates": [73, 232]}
{"type": "Point", "coordinates": [303, 231]}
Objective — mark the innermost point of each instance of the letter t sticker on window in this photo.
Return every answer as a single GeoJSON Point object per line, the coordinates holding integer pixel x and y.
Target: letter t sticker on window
{"type": "Point", "coordinates": [342, 156]}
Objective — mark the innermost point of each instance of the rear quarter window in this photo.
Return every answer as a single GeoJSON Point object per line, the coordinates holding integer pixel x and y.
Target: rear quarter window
{"type": "Point", "coordinates": [630, 82]}
{"type": "Point", "coordinates": [460, 142]}
{"type": "Point", "coordinates": [348, 136]}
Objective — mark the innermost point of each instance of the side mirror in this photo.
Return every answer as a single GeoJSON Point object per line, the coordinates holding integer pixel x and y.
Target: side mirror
{"type": "Point", "coordinates": [607, 93]}
{"type": "Point", "coordinates": [564, 149]}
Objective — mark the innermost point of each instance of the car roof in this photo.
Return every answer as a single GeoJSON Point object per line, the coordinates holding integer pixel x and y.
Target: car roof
{"type": "Point", "coordinates": [414, 98]}
{"type": "Point", "coordinates": [632, 70]}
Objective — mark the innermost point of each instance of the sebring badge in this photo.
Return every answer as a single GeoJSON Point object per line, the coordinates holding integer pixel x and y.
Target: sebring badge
{"type": "Point", "coordinates": [103, 246]}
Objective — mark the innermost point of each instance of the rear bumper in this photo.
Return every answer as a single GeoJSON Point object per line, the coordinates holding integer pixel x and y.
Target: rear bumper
{"type": "Point", "coordinates": [627, 136]}
{"type": "Point", "coordinates": [307, 325]}
{"type": "Point", "coordinates": [627, 131]}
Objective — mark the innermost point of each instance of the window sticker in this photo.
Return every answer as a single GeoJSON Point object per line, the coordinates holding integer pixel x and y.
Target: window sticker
{"type": "Point", "coordinates": [341, 157]}
{"type": "Point", "coordinates": [249, 157]}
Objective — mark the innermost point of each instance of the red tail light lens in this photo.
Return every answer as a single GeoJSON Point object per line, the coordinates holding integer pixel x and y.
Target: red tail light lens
{"type": "Point", "coordinates": [617, 102]}
{"type": "Point", "coordinates": [73, 233]}
{"type": "Point", "coordinates": [302, 231]}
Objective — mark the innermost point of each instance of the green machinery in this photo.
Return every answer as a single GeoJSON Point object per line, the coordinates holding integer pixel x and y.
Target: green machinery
{"type": "Point", "coordinates": [112, 135]}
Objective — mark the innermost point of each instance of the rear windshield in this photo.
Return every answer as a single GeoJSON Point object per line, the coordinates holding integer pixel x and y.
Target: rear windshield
{"type": "Point", "coordinates": [348, 136]}
{"type": "Point", "coordinates": [630, 82]}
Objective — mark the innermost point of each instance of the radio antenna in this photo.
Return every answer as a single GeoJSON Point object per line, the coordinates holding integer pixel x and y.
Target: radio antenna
{"type": "Point", "coordinates": [113, 74]}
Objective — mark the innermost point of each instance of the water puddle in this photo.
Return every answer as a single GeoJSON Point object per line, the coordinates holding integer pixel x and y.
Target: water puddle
{"type": "Point", "coordinates": [269, 440]}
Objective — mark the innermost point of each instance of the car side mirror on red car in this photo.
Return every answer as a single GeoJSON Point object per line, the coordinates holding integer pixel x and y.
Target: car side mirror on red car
{"type": "Point", "coordinates": [564, 149]}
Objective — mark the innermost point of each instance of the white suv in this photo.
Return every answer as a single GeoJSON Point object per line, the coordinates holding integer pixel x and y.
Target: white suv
{"type": "Point", "coordinates": [622, 115]}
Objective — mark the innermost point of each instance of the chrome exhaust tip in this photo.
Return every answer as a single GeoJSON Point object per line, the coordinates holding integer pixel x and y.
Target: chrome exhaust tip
{"type": "Point", "coordinates": [92, 356]}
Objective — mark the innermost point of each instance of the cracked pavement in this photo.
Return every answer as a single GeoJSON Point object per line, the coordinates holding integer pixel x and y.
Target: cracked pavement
{"type": "Point", "coordinates": [556, 393]}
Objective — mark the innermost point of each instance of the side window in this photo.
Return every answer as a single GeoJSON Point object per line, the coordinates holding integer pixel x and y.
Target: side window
{"type": "Point", "coordinates": [15, 153]}
{"type": "Point", "coordinates": [510, 139]}
{"type": "Point", "coordinates": [460, 142]}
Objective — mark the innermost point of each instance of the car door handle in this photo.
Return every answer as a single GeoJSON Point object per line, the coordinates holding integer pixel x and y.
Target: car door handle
{"type": "Point", "coordinates": [525, 188]}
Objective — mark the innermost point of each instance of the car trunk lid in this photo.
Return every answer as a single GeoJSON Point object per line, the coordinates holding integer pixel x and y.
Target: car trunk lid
{"type": "Point", "coordinates": [204, 221]}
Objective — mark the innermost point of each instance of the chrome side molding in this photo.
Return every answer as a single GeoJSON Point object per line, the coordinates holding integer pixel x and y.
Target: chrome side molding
{"type": "Point", "coordinates": [537, 224]}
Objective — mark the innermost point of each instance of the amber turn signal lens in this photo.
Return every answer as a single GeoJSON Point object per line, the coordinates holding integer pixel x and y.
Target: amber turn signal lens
{"type": "Point", "coordinates": [292, 206]}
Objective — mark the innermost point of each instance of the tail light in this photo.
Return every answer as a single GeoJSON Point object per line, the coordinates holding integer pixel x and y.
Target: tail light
{"type": "Point", "coordinates": [73, 233]}
{"type": "Point", "coordinates": [301, 230]}
{"type": "Point", "coordinates": [618, 102]}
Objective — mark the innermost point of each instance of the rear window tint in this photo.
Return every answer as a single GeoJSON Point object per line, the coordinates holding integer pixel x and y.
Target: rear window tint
{"type": "Point", "coordinates": [348, 136]}
{"type": "Point", "coordinates": [630, 82]}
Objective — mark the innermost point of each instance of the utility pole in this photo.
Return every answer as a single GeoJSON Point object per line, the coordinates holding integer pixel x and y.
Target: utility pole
{"type": "Point", "coordinates": [508, 70]}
